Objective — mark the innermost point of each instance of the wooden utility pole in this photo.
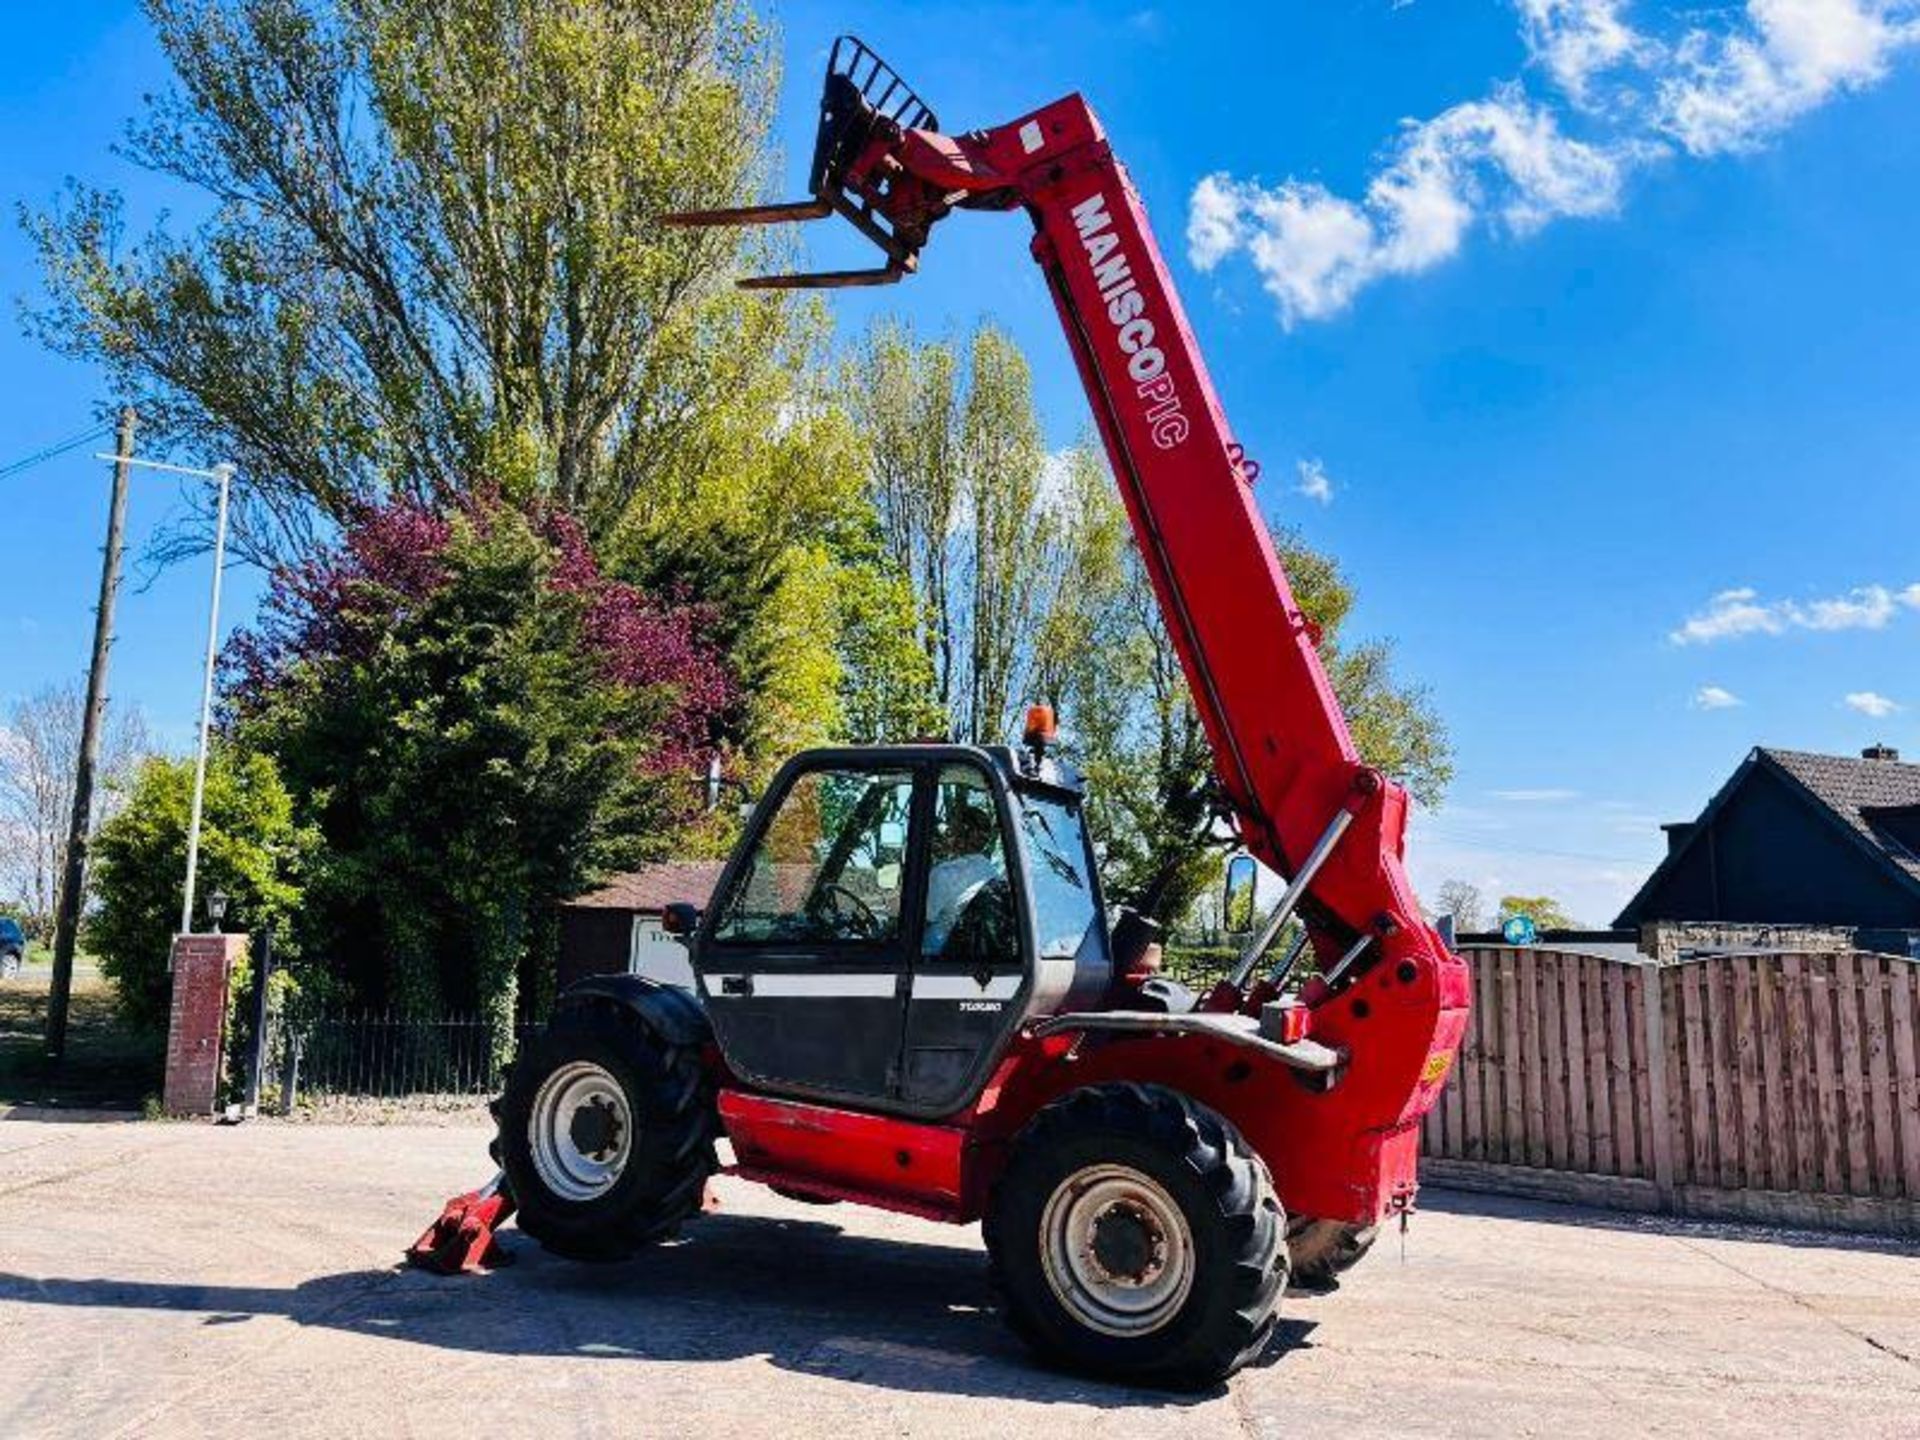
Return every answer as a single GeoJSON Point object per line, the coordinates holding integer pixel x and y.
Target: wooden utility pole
{"type": "Point", "coordinates": [66, 925]}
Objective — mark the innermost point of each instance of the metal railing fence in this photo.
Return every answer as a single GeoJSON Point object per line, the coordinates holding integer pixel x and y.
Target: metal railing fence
{"type": "Point", "coordinates": [384, 1055]}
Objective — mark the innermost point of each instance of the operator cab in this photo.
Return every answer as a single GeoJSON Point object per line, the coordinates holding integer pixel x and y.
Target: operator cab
{"type": "Point", "coordinates": [891, 918]}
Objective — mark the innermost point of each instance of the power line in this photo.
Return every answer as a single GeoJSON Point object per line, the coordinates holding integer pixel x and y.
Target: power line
{"type": "Point", "coordinates": [53, 451]}
{"type": "Point", "coordinates": [1484, 842]}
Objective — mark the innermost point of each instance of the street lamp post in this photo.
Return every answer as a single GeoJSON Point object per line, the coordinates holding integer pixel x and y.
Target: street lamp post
{"type": "Point", "coordinates": [221, 475]}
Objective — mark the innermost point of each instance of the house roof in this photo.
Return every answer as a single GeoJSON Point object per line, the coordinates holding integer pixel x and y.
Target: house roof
{"type": "Point", "coordinates": [1856, 790]}
{"type": "Point", "coordinates": [652, 888]}
{"type": "Point", "coordinates": [1872, 800]}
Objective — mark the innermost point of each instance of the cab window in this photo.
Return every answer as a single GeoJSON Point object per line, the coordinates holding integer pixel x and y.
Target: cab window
{"type": "Point", "coordinates": [1061, 869]}
{"type": "Point", "coordinates": [830, 866]}
{"type": "Point", "coordinates": [969, 912]}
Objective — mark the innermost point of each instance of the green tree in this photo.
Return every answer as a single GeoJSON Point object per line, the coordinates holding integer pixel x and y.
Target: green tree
{"type": "Point", "coordinates": [435, 253]}
{"type": "Point", "coordinates": [1109, 664]}
{"type": "Point", "coordinates": [1546, 912]}
{"type": "Point", "coordinates": [958, 472]}
{"type": "Point", "coordinates": [799, 591]}
{"type": "Point", "coordinates": [887, 685]}
{"type": "Point", "coordinates": [480, 724]}
{"type": "Point", "coordinates": [906, 399]}
{"type": "Point", "coordinates": [1028, 586]}
{"type": "Point", "coordinates": [1011, 560]}
{"type": "Point", "coordinates": [251, 847]}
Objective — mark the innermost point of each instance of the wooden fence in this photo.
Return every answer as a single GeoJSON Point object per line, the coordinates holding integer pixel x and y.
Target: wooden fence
{"type": "Point", "coordinates": [1783, 1087]}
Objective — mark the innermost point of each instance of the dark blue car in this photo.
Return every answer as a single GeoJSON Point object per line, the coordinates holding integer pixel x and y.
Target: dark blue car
{"type": "Point", "coordinates": [13, 947]}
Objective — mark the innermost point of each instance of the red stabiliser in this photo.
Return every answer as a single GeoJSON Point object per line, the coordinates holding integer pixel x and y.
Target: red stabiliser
{"type": "Point", "coordinates": [462, 1239]}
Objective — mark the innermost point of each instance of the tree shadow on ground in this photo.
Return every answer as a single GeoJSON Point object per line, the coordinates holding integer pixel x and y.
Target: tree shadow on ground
{"type": "Point", "coordinates": [58, 1115]}
{"type": "Point", "coordinates": [813, 1299]}
{"type": "Point", "coordinates": [1753, 1232]}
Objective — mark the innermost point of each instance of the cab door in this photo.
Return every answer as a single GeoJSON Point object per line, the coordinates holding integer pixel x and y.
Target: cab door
{"type": "Point", "coordinates": [803, 964]}
{"type": "Point", "coordinates": [969, 965]}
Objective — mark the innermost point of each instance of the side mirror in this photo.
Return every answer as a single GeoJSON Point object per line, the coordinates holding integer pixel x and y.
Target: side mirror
{"type": "Point", "coordinates": [1236, 903]}
{"type": "Point", "coordinates": [680, 918]}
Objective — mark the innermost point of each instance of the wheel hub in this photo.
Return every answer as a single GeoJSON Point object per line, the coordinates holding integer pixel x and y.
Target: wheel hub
{"type": "Point", "coordinates": [1117, 1251]}
{"type": "Point", "coordinates": [580, 1131]}
{"type": "Point", "coordinates": [1127, 1245]}
{"type": "Point", "coordinates": [595, 1129]}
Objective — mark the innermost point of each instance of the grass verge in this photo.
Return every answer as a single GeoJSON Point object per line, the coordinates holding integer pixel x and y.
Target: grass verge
{"type": "Point", "coordinates": [107, 1066]}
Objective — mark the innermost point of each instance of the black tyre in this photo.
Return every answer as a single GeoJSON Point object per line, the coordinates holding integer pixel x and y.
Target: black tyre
{"type": "Point", "coordinates": [606, 1134]}
{"type": "Point", "coordinates": [1136, 1236]}
{"type": "Point", "coordinates": [1321, 1251]}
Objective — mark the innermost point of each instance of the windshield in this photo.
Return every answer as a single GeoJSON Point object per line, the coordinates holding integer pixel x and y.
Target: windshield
{"type": "Point", "coordinates": [1064, 904]}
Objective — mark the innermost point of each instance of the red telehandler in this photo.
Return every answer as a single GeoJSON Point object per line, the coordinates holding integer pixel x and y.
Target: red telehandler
{"type": "Point", "coordinates": [907, 991]}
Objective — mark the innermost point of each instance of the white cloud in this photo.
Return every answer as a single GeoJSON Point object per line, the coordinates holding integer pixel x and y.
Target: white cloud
{"type": "Point", "coordinates": [1732, 90]}
{"type": "Point", "coordinates": [1733, 613]}
{"type": "Point", "coordinates": [1575, 40]}
{"type": "Point", "coordinates": [1868, 703]}
{"type": "Point", "coordinates": [1214, 226]}
{"type": "Point", "coordinates": [1536, 797]}
{"type": "Point", "coordinates": [1507, 162]}
{"type": "Point", "coordinates": [1315, 483]}
{"type": "Point", "coordinates": [1869, 608]}
{"type": "Point", "coordinates": [1715, 697]}
{"type": "Point", "coordinates": [1503, 157]}
{"type": "Point", "coordinates": [1730, 613]}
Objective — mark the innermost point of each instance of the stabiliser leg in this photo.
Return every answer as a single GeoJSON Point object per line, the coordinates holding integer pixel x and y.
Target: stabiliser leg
{"type": "Point", "coordinates": [462, 1239]}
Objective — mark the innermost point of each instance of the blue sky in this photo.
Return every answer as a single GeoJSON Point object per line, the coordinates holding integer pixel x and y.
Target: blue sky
{"type": "Point", "coordinates": [1595, 317]}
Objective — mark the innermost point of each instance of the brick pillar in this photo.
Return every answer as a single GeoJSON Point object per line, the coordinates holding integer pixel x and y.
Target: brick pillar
{"type": "Point", "coordinates": [196, 1034]}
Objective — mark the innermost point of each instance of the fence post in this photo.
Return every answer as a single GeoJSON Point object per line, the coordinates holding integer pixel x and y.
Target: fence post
{"type": "Point", "coordinates": [290, 1070]}
{"type": "Point", "coordinates": [1653, 1020]}
{"type": "Point", "coordinates": [257, 1041]}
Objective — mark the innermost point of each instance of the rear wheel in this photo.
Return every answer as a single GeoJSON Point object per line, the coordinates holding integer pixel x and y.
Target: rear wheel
{"type": "Point", "coordinates": [1136, 1235]}
{"type": "Point", "coordinates": [606, 1134]}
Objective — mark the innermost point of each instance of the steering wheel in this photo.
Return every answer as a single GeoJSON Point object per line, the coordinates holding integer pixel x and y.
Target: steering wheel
{"type": "Point", "coordinates": [979, 928]}
{"type": "Point", "coordinates": [857, 915]}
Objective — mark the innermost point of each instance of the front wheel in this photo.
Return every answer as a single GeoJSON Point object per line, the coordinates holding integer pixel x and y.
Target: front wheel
{"type": "Point", "coordinates": [606, 1134]}
{"type": "Point", "coordinates": [1135, 1235]}
{"type": "Point", "coordinates": [9, 965]}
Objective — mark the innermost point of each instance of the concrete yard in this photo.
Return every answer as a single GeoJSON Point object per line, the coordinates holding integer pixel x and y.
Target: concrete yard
{"type": "Point", "coordinates": [168, 1279]}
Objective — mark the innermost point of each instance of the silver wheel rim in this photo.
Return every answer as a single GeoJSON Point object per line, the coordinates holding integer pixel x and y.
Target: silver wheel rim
{"type": "Point", "coordinates": [581, 1129]}
{"type": "Point", "coordinates": [1117, 1251]}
